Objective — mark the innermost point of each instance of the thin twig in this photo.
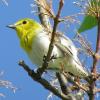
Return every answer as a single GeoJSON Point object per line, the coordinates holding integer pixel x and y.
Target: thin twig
{"type": "Point", "coordinates": [71, 80]}
{"type": "Point", "coordinates": [63, 84]}
{"type": "Point", "coordinates": [43, 15]}
{"type": "Point", "coordinates": [47, 58]}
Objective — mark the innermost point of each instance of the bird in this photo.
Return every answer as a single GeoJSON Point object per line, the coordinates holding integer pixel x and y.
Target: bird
{"type": "Point", "coordinates": [35, 40]}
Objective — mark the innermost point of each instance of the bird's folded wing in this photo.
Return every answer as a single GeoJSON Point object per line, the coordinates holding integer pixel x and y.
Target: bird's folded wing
{"type": "Point", "coordinates": [67, 51]}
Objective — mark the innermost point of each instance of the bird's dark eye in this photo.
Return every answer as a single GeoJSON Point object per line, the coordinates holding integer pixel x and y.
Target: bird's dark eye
{"type": "Point", "coordinates": [24, 22]}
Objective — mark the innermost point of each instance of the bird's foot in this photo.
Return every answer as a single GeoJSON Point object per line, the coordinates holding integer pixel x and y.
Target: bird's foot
{"type": "Point", "coordinates": [54, 56]}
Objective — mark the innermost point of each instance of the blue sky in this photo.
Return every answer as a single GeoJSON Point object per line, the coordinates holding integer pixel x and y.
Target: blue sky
{"type": "Point", "coordinates": [11, 53]}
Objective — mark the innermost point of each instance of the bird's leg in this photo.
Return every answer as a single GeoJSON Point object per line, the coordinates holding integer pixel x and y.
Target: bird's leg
{"type": "Point", "coordinates": [54, 56]}
{"type": "Point", "coordinates": [44, 57]}
{"type": "Point", "coordinates": [51, 58]}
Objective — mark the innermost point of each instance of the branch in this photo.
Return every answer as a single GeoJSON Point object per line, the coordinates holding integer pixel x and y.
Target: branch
{"type": "Point", "coordinates": [97, 48]}
{"type": "Point", "coordinates": [95, 60]}
{"type": "Point", "coordinates": [47, 58]}
{"type": "Point", "coordinates": [43, 16]}
{"type": "Point", "coordinates": [63, 81]}
{"type": "Point", "coordinates": [35, 76]}
{"type": "Point", "coordinates": [71, 80]}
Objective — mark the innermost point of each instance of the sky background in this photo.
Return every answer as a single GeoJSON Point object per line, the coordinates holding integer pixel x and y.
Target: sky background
{"type": "Point", "coordinates": [11, 53]}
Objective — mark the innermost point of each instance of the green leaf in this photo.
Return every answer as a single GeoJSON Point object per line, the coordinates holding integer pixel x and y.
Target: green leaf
{"type": "Point", "coordinates": [88, 23]}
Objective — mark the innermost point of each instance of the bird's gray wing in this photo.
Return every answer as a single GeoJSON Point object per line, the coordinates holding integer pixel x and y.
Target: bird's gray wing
{"type": "Point", "coordinates": [68, 48]}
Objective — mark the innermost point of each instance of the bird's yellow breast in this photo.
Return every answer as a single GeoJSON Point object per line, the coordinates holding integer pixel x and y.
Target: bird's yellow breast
{"type": "Point", "coordinates": [28, 38]}
{"type": "Point", "coordinates": [26, 42]}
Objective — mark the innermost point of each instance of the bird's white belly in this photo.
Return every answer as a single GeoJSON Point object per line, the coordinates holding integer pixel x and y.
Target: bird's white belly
{"type": "Point", "coordinates": [40, 49]}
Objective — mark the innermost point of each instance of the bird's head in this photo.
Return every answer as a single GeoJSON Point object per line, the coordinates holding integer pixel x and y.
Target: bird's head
{"type": "Point", "coordinates": [24, 26]}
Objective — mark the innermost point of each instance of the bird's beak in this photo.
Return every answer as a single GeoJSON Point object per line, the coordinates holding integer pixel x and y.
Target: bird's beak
{"type": "Point", "coordinates": [11, 26]}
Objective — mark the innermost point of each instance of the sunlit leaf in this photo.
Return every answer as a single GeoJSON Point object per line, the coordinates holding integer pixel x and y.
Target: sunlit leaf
{"type": "Point", "coordinates": [88, 23]}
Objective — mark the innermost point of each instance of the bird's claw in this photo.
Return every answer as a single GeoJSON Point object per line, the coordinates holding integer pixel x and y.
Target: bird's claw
{"type": "Point", "coordinates": [44, 57]}
{"type": "Point", "coordinates": [53, 57]}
